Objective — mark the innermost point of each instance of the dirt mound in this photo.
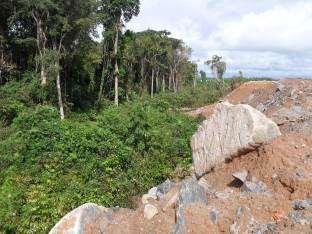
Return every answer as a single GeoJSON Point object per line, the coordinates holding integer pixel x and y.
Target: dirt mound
{"type": "Point", "coordinates": [253, 93]}
{"type": "Point", "coordinates": [287, 102]}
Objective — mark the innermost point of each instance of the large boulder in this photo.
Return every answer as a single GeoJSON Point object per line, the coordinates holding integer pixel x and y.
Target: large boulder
{"type": "Point", "coordinates": [231, 130]}
{"type": "Point", "coordinates": [88, 218]}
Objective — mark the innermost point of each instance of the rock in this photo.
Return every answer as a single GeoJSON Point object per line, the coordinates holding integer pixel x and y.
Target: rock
{"type": "Point", "coordinates": [88, 218]}
{"type": "Point", "coordinates": [234, 228]}
{"type": "Point", "coordinates": [191, 192]}
{"type": "Point", "coordinates": [265, 228]}
{"type": "Point", "coordinates": [239, 212]}
{"type": "Point", "coordinates": [145, 199]}
{"type": "Point", "coordinates": [164, 188]}
{"type": "Point", "coordinates": [226, 194]}
{"type": "Point", "coordinates": [152, 193]}
{"type": "Point", "coordinates": [300, 218]}
{"type": "Point", "coordinates": [207, 187]}
{"type": "Point", "coordinates": [242, 176]}
{"type": "Point", "coordinates": [254, 187]}
{"type": "Point", "coordinates": [150, 211]}
{"type": "Point", "coordinates": [302, 204]}
{"type": "Point", "coordinates": [171, 198]}
{"type": "Point", "coordinates": [214, 215]}
{"type": "Point", "coordinates": [231, 131]}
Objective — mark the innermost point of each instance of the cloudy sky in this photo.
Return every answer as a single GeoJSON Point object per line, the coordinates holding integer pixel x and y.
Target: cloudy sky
{"type": "Point", "coordinates": [260, 37]}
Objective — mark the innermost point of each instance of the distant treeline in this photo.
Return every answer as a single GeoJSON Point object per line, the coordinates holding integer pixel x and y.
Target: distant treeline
{"type": "Point", "coordinates": [52, 45]}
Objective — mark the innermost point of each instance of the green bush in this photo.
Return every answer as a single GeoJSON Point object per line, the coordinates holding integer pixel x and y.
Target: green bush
{"type": "Point", "coordinates": [9, 109]}
{"type": "Point", "coordinates": [48, 166]}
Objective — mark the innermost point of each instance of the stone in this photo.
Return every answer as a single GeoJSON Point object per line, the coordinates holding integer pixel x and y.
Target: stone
{"type": "Point", "coordinates": [232, 130]}
{"type": "Point", "coordinates": [239, 212]}
{"type": "Point", "coordinates": [302, 204]}
{"type": "Point", "coordinates": [145, 199]}
{"type": "Point", "coordinates": [214, 215]}
{"type": "Point", "coordinates": [152, 193]}
{"type": "Point", "coordinates": [191, 192]}
{"type": "Point", "coordinates": [300, 218]}
{"type": "Point", "coordinates": [254, 187]}
{"type": "Point", "coordinates": [234, 228]}
{"type": "Point", "coordinates": [205, 184]}
{"type": "Point", "coordinates": [241, 176]}
{"type": "Point", "coordinates": [88, 218]}
{"type": "Point", "coordinates": [170, 199]}
{"type": "Point", "coordinates": [150, 211]}
{"type": "Point", "coordinates": [226, 194]}
{"type": "Point", "coordinates": [164, 188]}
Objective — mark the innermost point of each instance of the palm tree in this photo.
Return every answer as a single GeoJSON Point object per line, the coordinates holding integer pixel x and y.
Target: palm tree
{"type": "Point", "coordinates": [217, 66]}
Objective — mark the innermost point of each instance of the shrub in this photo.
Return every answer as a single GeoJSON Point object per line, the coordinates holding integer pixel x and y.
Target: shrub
{"type": "Point", "coordinates": [48, 166]}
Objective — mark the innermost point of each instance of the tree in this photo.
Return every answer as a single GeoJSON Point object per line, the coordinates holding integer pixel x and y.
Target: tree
{"type": "Point", "coordinates": [217, 66]}
{"type": "Point", "coordinates": [59, 27]}
{"type": "Point", "coordinates": [203, 75]}
{"type": "Point", "coordinates": [114, 14]}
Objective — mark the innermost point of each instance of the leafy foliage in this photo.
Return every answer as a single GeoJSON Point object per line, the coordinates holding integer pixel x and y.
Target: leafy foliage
{"type": "Point", "coordinates": [49, 167]}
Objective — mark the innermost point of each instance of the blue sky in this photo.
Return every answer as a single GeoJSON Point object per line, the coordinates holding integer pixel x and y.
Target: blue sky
{"type": "Point", "coordinates": [260, 37]}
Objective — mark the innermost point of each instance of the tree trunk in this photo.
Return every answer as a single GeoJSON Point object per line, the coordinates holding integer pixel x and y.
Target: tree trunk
{"type": "Point", "coordinates": [142, 76]}
{"type": "Point", "coordinates": [170, 80]}
{"type": "Point", "coordinates": [43, 75]}
{"type": "Point", "coordinates": [174, 83]}
{"type": "Point", "coordinates": [103, 73]}
{"type": "Point", "coordinates": [41, 43]}
{"type": "Point", "coordinates": [116, 70]}
{"type": "Point", "coordinates": [59, 93]}
{"type": "Point", "coordinates": [157, 80]}
{"type": "Point", "coordinates": [163, 84]}
{"type": "Point", "coordinates": [152, 84]}
{"type": "Point", "coordinates": [195, 81]}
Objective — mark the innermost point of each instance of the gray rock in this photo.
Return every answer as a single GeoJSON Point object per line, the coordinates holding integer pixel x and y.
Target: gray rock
{"type": "Point", "coordinates": [191, 192]}
{"type": "Point", "coordinates": [207, 186]}
{"type": "Point", "coordinates": [266, 228]}
{"type": "Point", "coordinates": [86, 218]}
{"type": "Point", "coordinates": [302, 213]}
{"type": "Point", "coordinates": [241, 175]}
{"type": "Point", "coordinates": [239, 212]}
{"type": "Point", "coordinates": [254, 187]}
{"type": "Point", "coordinates": [164, 188]}
{"type": "Point", "coordinates": [214, 215]}
{"type": "Point", "coordinates": [152, 193]}
{"type": "Point", "coordinates": [302, 204]}
{"type": "Point", "coordinates": [231, 131]}
{"type": "Point", "coordinates": [300, 218]}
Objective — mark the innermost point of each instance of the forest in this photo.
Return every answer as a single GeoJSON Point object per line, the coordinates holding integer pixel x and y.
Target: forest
{"type": "Point", "coordinates": [89, 115]}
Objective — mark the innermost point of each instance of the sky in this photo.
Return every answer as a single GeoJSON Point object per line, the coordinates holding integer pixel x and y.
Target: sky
{"type": "Point", "coordinates": [262, 38]}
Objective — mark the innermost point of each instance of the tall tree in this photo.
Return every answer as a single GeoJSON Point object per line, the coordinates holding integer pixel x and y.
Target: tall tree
{"type": "Point", "coordinates": [217, 66]}
{"type": "Point", "coordinates": [114, 14]}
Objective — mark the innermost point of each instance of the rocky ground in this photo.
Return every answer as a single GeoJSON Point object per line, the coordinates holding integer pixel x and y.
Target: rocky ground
{"type": "Point", "coordinates": [267, 189]}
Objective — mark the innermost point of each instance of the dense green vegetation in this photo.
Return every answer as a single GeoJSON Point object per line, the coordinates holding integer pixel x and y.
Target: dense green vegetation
{"type": "Point", "coordinates": [108, 156]}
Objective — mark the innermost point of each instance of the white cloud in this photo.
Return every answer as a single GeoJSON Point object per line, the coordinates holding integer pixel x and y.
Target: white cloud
{"type": "Point", "coordinates": [283, 28]}
{"type": "Point", "coordinates": [270, 37]}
